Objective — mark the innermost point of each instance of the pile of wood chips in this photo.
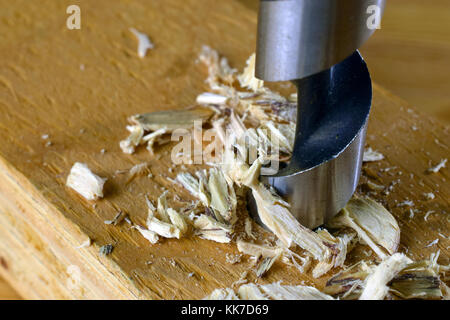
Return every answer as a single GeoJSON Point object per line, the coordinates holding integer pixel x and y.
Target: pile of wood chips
{"type": "Point", "coordinates": [254, 127]}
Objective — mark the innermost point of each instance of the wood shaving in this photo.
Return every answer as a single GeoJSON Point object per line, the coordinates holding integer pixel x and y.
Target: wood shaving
{"type": "Point", "coordinates": [117, 219]}
{"type": "Point", "coordinates": [171, 120]}
{"type": "Point", "coordinates": [427, 215]}
{"type": "Point", "coordinates": [349, 283]}
{"type": "Point", "coordinates": [376, 283]}
{"type": "Point", "coordinates": [138, 170]}
{"type": "Point", "coordinates": [248, 228]}
{"type": "Point", "coordinates": [247, 79]}
{"type": "Point", "coordinates": [168, 223]}
{"type": "Point", "coordinates": [432, 243]}
{"type": "Point", "coordinates": [164, 229]}
{"type": "Point", "coordinates": [281, 222]}
{"type": "Point", "coordinates": [152, 137]}
{"type": "Point", "coordinates": [371, 155]}
{"type": "Point", "coordinates": [438, 167]}
{"type": "Point", "coordinates": [150, 127]}
{"type": "Point", "coordinates": [429, 195]}
{"type": "Point", "coordinates": [419, 280]}
{"type": "Point", "coordinates": [373, 223]}
{"type": "Point", "coordinates": [406, 203]}
{"type": "Point", "coordinates": [374, 186]}
{"type": "Point", "coordinates": [148, 234]}
{"type": "Point", "coordinates": [207, 98]}
{"type": "Point", "coordinates": [177, 220]}
{"type": "Point", "coordinates": [222, 294]}
{"type": "Point", "coordinates": [210, 229]}
{"type": "Point", "coordinates": [258, 250]}
{"type": "Point", "coordinates": [265, 265]}
{"type": "Point", "coordinates": [251, 292]}
{"type": "Point", "coordinates": [223, 199]}
{"type": "Point", "coordinates": [273, 291]}
{"type": "Point", "coordinates": [85, 244]}
{"type": "Point", "coordinates": [144, 42]}
{"type": "Point", "coordinates": [82, 180]}
{"type": "Point", "coordinates": [133, 140]}
{"type": "Point", "coordinates": [276, 291]}
{"type": "Point", "coordinates": [219, 71]}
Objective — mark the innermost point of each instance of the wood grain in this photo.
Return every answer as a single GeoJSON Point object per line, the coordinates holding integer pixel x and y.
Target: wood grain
{"type": "Point", "coordinates": [410, 54]}
{"type": "Point", "coordinates": [43, 90]}
{"type": "Point", "coordinates": [7, 292]}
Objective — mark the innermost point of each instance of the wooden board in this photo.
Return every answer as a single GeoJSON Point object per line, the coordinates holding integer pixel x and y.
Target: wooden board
{"type": "Point", "coordinates": [410, 54]}
{"type": "Point", "coordinates": [7, 292]}
{"type": "Point", "coordinates": [79, 86]}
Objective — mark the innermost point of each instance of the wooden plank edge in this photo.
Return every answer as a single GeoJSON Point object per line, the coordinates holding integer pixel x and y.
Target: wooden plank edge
{"type": "Point", "coordinates": [39, 249]}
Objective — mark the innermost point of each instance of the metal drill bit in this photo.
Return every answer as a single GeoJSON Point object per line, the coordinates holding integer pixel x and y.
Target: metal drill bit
{"type": "Point", "coordinates": [313, 43]}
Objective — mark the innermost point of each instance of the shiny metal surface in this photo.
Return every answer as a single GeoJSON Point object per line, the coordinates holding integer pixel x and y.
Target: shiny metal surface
{"type": "Point", "coordinates": [313, 43]}
{"type": "Point", "coordinates": [323, 173]}
{"type": "Point", "coordinates": [298, 38]}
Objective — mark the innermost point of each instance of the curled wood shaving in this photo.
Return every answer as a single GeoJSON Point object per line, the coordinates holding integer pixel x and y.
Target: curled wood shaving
{"type": "Point", "coordinates": [214, 191]}
{"type": "Point", "coordinates": [258, 250]}
{"type": "Point", "coordinates": [148, 234]}
{"type": "Point", "coordinates": [247, 79]}
{"type": "Point", "coordinates": [157, 124]}
{"type": "Point", "coordinates": [373, 223]}
{"type": "Point", "coordinates": [163, 221]}
{"type": "Point", "coordinates": [152, 137]}
{"type": "Point", "coordinates": [376, 283]}
{"type": "Point", "coordinates": [218, 69]}
{"type": "Point", "coordinates": [82, 180]}
{"type": "Point", "coordinates": [280, 221]}
{"type": "Point", "coordinates": [273, 291]}
{"type": "Point", "coordinates": [85, 244]}
{"type": "Point", "coordinates": [161, 208]}
{"type": "Point", "coordinates": [276, 291]}
{"type": "Point", "coordinates": [177, 220]}
{"type": "Point", "coordinates": [349, 283]}
{"type": "Point", "coordinates": [438, 167]}
{"type": "Point", "coordinates": [195, 187]}
{"type": "Point", "coordinates": [164, 229]}
{"type": "Point", "coordinates": [418, 280]}
{"type": "Point", "coordinates": [210, 229]}
{"type": "Point", "coordinates": [137, 170]}
{"type": "Point", "coordinates": [221, 198]}
{"type": "Point", "coordinates": [133, 140]}
{"type": "Point", "coordinates": [338, 253]}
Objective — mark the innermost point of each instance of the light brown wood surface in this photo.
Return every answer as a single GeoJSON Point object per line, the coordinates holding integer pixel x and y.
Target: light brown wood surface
{"type": "Point", "coordinates": [410, 54]}
{"type": "Point", "coordinates": [44, 91]}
